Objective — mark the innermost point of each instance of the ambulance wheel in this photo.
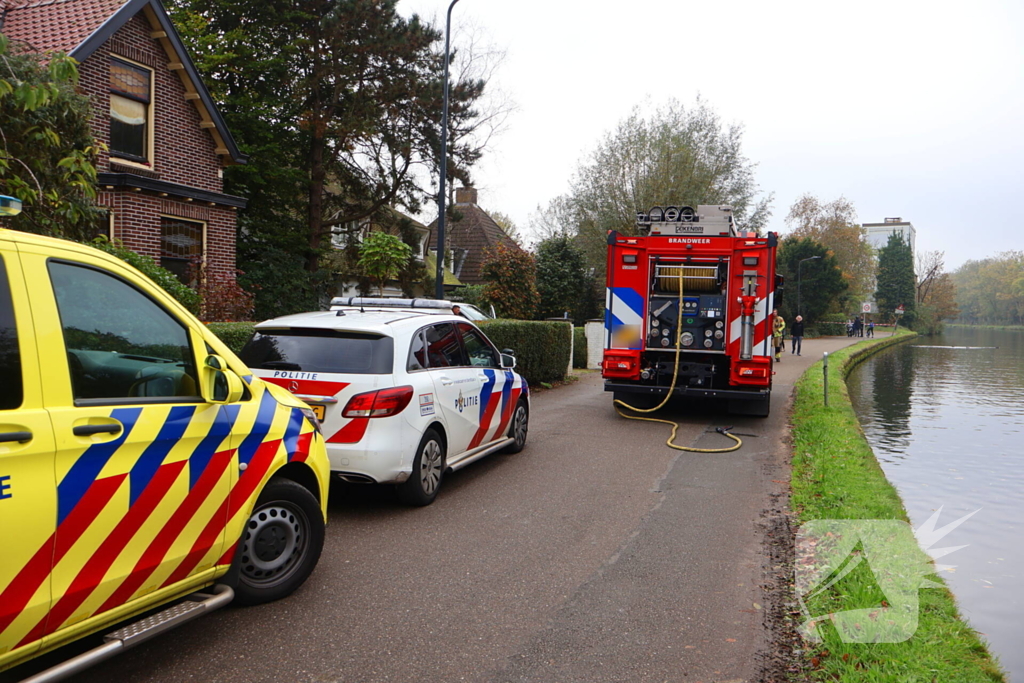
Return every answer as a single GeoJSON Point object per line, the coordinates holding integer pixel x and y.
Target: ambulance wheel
{"type": "Point", "coordinates": [281, 543]}
{"type": "Point", "coordinates": [519, 428]}
{"type": "Point", "coordinates": [427, 469]}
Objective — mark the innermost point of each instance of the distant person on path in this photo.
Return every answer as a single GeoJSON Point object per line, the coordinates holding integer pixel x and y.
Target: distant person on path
{"type": "Point", "coordinates": [871, 328]}
{"type": "Point", "coordinates": [797, 334]}
{"type": "Point", "coordinates": [849, 327]}
{"type": "Point", "coordinates": [778, 334]}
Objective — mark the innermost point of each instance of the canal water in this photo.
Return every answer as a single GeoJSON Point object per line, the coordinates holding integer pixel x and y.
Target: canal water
{"type": "Point", "coordinates": [947, 426]}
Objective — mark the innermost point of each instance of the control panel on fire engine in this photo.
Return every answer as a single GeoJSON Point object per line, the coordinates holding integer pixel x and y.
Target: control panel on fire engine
{"type": "Point", "coordinates": [703, 322]}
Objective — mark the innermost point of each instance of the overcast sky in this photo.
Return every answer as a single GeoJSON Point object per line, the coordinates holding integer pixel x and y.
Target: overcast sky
{"type": "Point", "coordinates": [910, 109]}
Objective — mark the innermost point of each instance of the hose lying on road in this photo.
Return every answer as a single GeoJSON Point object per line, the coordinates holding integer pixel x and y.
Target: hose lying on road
{"type": "Point", "coordinates": [675, 425]}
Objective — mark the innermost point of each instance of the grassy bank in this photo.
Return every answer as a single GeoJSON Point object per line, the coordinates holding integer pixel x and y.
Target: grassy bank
{"type": "Point", "coordinates": [986, 327]}
{"type": "Point", "coordinates": [836, 476]}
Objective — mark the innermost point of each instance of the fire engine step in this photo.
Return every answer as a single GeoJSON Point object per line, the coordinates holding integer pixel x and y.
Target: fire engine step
{"type": "Point", "coordinates": [117, 642]}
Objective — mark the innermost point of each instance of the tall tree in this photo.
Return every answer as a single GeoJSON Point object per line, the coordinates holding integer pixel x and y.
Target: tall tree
{"type": "Point", "coordinates": [337, 103]}
{"type": "Point", "coordinates": [896, 282]}
{"type": "Point", "coordinates": [660, 156]}
{"type": "Point", "coordinates": [562, 281]}
{"type": "Point", "coordinates": [991, 291]}
{"type": "Point", "coordinates": [819, 283]}
{"type": "Point", "coordinates": [834, 224]}
{"type": "Point", "coordinates": [47, 152]}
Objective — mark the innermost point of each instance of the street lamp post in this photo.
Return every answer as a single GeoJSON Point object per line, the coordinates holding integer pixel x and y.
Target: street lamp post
{"type": "Point", "coordinates": [799, 302]}
{"type": "Point", "coordinates": [439, 273]}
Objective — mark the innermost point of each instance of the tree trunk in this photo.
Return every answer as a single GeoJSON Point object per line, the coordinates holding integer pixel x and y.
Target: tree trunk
{"type": "Point", "coordinates": [316, 197]}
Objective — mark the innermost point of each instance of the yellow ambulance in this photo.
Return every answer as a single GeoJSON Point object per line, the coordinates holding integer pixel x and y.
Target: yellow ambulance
{"type": "Point", "coordinates": [141, 463]}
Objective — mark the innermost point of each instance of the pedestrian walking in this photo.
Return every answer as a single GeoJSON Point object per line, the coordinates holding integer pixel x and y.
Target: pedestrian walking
{"type": "Point", "coordinates": [871, 328]}
{"type": "Point", "coordinates": [778, 334]}
{"type": "Point", "coordinates": [797, 335]}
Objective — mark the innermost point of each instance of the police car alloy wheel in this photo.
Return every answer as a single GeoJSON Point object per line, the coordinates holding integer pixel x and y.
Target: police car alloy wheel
{"type": "Point", "coordinates": [519, 429]}
{"type": "Point", "coordinates": [427, 470]}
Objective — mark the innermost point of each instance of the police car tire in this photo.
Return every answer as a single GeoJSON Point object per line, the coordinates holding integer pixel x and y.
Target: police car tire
{"type": "Point", "coordinates": [414, 491]}
{"type": "Point", "coordinates": [285, 510]}
{"type": "Point", "coordinates": [521, 413]}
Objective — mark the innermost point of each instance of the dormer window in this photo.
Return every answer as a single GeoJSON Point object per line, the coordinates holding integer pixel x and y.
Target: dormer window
{"type": "Point", "coordinates": [130, 94]}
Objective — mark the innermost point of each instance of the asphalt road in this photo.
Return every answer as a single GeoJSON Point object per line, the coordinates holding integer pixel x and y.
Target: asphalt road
{"type": "Point", "coordinates": [596, 554]}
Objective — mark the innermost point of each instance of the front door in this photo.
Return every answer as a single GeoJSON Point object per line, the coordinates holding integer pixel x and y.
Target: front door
{"type": "Point", "coordinates": [456, 385]}
{"type": "Point", "coordinates": [142, 461]}
{"type": "Point", "coordinates": [28, 500]}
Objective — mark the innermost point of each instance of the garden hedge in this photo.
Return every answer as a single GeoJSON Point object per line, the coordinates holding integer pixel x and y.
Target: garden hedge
{"type": "Point", "coordinates": [235, 335]}
{"type": "Point", "coordinates": [542, 348]}
{"type": "Point", "coordinates": [579, 348]}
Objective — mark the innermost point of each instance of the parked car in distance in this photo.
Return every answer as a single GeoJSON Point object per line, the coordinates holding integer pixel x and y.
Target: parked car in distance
{"type": "Point", "coordinates": [404, 396]}
{"type": "Point", "coordinates": [140, 460]}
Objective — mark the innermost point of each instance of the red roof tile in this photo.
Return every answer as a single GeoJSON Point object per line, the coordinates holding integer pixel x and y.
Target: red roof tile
{"type": "Point", "coordinates": [55, 25]}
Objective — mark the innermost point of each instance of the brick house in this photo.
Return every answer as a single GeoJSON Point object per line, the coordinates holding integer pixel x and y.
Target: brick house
{"type": "Point", "coordinates": [162, 176]}
{"type": "Point", "coordinates": [470, 236]}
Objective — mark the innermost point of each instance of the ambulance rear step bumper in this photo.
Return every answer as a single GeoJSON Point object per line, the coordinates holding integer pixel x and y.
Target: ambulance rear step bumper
{"type": "Point", "coordinates": [193, 606]}
{"type": "Point", "coordinates": [689, 392]}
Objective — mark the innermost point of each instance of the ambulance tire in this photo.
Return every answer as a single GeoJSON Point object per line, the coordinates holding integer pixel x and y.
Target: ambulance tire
{"type": "Point", "coordinates": [421, 488]}
{"type": "Point", "coordinates": [281, 543]}
{"type": "Point", "coordinates": [519, 428]}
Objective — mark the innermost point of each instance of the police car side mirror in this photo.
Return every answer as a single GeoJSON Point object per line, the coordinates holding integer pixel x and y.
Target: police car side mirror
{"type": "Point", "coordinates": [220, 383]}
{"type": "Point", "coordinates": [508, 361]}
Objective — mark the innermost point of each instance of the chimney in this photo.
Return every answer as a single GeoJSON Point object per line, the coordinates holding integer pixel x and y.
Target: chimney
{"type": "Point", "coordinates": [465, 195]}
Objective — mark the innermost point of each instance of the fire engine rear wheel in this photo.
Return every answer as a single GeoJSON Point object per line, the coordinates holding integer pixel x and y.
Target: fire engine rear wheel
{"type": "Point", "coordinates": [641, 401]}
{"type": "Point", "coordinates": [281, 543]}
{"type": "Point", "coordinates": [755, 408]}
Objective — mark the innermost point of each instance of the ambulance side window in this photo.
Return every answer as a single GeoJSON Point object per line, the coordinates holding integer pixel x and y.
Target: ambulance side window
{"type": "Point", "coordinates": [10, 355]}
{"type": "Point", "coordinates": [122, 347]}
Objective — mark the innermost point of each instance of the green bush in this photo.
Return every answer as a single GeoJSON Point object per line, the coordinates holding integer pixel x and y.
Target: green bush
{"type": "Point", "coordinates": [579, 348]}
{"type": "Point", "coordinates": [831, 329]}
{"type": "Point", "coordinates": [541, 347]}
{"type": "Point", "coordinates": [235, 335]}
{"type": "Point", "coordinates": [185, 295]}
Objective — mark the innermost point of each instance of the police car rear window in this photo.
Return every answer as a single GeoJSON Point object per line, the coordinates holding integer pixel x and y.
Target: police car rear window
{"type": "Point", "coordinates": [316, 350]}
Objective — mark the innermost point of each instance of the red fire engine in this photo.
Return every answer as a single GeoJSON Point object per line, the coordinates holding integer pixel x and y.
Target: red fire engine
{"type": "Point", "coordinates": [688, 310]}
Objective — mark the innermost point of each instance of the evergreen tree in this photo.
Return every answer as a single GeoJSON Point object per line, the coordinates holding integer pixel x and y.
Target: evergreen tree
{"type": "Point", "coordinates": [821, 284]}
{"type": "Point", "coordinates": [896, 281]}
{"type": "Point", "coordinates": [562, 280]}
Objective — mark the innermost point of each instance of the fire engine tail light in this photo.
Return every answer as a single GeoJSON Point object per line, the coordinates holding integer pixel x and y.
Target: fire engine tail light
{"type": "Point", "coordinates": [753, 372]}
{"type": "Point", "coordinates": [380, 403]}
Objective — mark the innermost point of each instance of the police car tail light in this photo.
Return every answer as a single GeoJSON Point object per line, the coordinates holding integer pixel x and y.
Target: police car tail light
{"type": "Point", "coordinates": [380, 403]}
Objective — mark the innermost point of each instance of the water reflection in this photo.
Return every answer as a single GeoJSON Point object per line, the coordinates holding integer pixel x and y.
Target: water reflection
{"type": "Point", "coordinates": [945, 423]}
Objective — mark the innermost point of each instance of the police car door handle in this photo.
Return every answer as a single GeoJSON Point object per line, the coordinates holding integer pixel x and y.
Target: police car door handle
{"type": "Point", "coordinates": [90, 430]}
{"type": "Point", "coordinates": [20, 437]}
{"type": "Point", "coordinates": [446, 381]}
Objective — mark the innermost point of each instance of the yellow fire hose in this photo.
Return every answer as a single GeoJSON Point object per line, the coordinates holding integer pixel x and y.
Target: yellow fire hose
{"type": "Point", "coordinates": [671, 389]}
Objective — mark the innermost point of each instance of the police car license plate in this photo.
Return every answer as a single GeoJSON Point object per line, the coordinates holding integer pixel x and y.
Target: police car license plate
{"type": "Point", "coordinates": [319, 411]}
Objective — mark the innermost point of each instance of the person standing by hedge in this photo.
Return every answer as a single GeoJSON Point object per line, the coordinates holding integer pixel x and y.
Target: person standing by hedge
{"type": "Point", "coordinates": [778, 334]}
{"type": "Point", "coordinates": [797, 335]}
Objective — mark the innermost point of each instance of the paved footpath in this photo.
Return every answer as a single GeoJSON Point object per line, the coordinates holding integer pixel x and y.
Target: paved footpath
{"type": "Point", "coordinates": [596, 554]}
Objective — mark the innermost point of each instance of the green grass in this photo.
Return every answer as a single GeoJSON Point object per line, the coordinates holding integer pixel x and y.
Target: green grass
{"type": "Point", "coordinates": [836, 476]}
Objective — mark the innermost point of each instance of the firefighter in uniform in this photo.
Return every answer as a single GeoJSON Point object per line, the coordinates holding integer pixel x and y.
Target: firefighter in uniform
{"type": "Point", "coordinates": [778, 334]}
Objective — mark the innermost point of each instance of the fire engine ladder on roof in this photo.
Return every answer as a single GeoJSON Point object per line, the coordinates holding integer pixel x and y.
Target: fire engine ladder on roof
{"type": "Point", "coordinates": [687, 277]}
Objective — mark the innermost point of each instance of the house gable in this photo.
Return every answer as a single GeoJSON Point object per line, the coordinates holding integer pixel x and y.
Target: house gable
{"type": "Point", "coordinates": [474, 232]}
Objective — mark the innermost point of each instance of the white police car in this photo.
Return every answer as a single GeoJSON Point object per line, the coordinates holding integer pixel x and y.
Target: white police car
{"type": "Point", "coordinates": [403, 396]}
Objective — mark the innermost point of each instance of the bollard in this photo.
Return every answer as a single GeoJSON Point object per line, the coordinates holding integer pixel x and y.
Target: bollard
{"type": "Point", "coordinates": [824, 369]}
